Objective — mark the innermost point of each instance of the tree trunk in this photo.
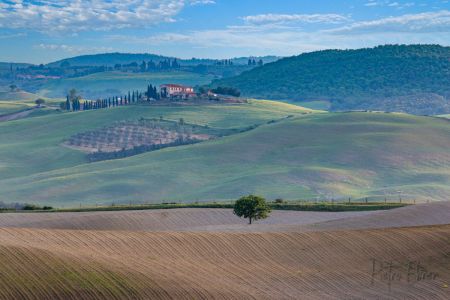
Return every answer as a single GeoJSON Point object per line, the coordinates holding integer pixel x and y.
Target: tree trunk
{"type": "Point", "coordinates": [250, 220]}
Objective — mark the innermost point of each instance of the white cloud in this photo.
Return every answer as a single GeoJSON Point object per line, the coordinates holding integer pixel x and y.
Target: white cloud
{"type": "Point", "coordinates": [202, 2]}
{"type": "Point", "coordinates": [261, 40]}
{"type": "Point", "coordinates": [295, 18]}
{"type": "Point", "coordinates": [81, 15]}
{"type": "Point", "coordinates": [374, 3]}
{"type": "Point", "coordinates": [72, 49]}
{"type": "Point", "coordinates": [11, 36]}
{"type": "Point", "coordinates": [422, 22]}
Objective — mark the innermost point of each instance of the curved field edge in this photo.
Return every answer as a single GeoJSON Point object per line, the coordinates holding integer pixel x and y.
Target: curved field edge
{"type": "Point", "coordinates": [213, 219]}
{"type": "Point", "coordinates": [69, 264]}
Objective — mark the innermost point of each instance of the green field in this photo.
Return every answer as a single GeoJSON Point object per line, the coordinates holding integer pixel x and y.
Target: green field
{"type": "Point", "coordinates": [319, 105]}
{"type": "Point", "coordinates": [17, 96]}
{"type": "Point", "coordinates": [8, 107]}
{"type": "Point", "coordinates": [100, 85]}
{"type": "Point", "coordinates": [33, 145]}
{"type": "Point", "coordinates": [11, 102]}
{"type": "Point", "coordinates": [321, 155]}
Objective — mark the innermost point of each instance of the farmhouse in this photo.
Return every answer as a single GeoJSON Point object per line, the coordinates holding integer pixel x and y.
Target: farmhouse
{"type": "Point", "coordinates": [176, 91]}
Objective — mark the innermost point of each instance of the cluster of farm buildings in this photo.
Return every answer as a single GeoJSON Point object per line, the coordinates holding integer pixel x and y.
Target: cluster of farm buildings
{"type": "Point", "coordinates": [176, 91]}
{"type": "Point", "coordinates": [182, 92]}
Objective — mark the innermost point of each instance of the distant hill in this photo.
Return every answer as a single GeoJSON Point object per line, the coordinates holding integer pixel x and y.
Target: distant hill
{"type": "Point", "coordinates": [108, 59]}
{"type": "Point", "coordinates": [8, 65]}
{"type": "Point", "coordinates": [413, 79]}
{"type": "Point", "coordinates": [127, 58]}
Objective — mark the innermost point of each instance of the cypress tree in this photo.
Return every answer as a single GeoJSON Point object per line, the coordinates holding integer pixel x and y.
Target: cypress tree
{"type": "Point", "coordinates": [67, 103]}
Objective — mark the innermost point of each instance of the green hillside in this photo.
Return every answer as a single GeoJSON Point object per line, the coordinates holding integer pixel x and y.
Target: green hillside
{"type": "Point", "coordinates": [17, 96]}
{"type": "Point", "coordinates": [34, 145]}
{"type": "Point", "coordinates": [105, 84]}
{"type": "Point", "coordinates": [7, 107]}
{"type": "Point", "coordinates": [410, 79]}
{"type": "Point", "coordinates": [333, 155]}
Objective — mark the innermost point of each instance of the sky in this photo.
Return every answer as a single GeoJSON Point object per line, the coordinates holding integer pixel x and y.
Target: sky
{"type": "Point", "coordinates": [41, 31]}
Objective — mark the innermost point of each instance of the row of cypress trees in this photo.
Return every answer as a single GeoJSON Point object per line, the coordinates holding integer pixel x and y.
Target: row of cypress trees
{"type": "Point", "coordinates": [76, 105]}
{"type": "Point", "coordinates": [73, 103]}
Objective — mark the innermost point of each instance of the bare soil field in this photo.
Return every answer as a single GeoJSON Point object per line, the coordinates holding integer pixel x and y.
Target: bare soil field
{"type": "Point", "coordinates": [437, 213]}
{"type": "Point", "coordinates": [184, 219]}
{"type": "Point", "coordinates": [191, 254]}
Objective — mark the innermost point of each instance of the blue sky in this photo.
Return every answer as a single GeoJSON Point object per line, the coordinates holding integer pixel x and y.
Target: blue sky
{"type": "Point", "coordinates": [46, 30]}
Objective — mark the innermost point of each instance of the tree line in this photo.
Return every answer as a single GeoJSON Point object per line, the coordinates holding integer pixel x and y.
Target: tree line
{"type": "Point", "coordinates": [99, 156]}
{"type": "Point", "coordinates": [166, 64]}
{"type": "Point", "coordinates": [73, 100]}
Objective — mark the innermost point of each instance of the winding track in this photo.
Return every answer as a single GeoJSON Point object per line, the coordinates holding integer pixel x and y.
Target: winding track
{"type": "Point", "coordinates": [17, 115]}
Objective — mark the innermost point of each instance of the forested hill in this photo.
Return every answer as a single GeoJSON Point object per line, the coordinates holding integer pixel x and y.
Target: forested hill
{"type": "Point", "coordinates": [414, 79]}
{"type": "Point", "coordinates": [111, 59]}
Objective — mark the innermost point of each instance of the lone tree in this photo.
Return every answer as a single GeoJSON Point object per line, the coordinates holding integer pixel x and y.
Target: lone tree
{"type": "Point", "coordinates": [39, 102]}
{"type": "Point", "coordinates": [252, 207]}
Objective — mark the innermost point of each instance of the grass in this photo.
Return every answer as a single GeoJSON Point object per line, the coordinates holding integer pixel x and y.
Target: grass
{"type": "Point", "coordinates": [7, 107]}
{"type": "Point", "coordinates": [328, 155]}
{"type": "Point", "coordinates": [17, 96]}
{"type": "Point", "coordinates": [114, 83]}
{"type": "Point", "coordinates": [319, 104]}
{"type": "Point", "coordinates": [33, 145]}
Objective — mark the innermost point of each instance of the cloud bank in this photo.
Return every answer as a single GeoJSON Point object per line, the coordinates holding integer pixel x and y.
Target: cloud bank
{"type": "Point", "coordinates": [84, 15]}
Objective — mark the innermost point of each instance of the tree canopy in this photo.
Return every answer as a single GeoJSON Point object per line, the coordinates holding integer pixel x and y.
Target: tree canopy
{"type": "Point", "coordinates": [353, 79]}
{"type": "Point", "coordinates": [252, 207]}
{"type": "Point", "coordinates": [39, 101]}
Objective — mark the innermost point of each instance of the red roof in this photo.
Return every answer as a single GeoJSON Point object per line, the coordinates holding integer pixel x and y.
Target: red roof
{"type": "Point", "coordinates": [176, 85]}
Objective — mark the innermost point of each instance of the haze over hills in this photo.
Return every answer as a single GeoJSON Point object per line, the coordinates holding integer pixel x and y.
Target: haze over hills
{"type": "Point", "coordinates": [103, 59]}
{"type": "Point", "coordinates": [109, 74]}
{"type": "Point", "coordinates": [401, 78]}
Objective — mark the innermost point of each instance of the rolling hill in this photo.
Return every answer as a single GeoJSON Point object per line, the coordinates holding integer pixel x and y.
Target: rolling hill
{"type": "Point", "coordinates": [104, 59]}
{"type": "Point", "coordinates": [34, 145]}
{"type": "Point", "coordinates": [411, 79]}
{"type": "Point", "coordinates": [335, 155]}
{"type": "Point", "coordinates": [17, 96]}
